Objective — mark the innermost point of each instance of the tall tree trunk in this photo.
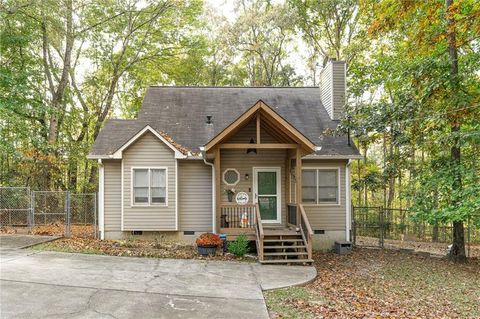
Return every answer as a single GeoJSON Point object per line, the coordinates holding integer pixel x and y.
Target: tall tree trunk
{"type": "Point", "coordinates": [458, 248]}
{"type": "Point", "coordinates": [365, 188]}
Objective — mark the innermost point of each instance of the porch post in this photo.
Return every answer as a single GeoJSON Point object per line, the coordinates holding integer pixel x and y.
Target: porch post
{"type": "Point", "coordinates": [288, 198]}
{"type": "Point", "coordinates": [218, 194]}
{"type": "Point", "coordinates": [298, 181]}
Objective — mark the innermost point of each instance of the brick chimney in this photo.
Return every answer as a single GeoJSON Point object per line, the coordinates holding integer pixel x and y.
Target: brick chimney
{"type": "Point", "coordinates": [332, 88]}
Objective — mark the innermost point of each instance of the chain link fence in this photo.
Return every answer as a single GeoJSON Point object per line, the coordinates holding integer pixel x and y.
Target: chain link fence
{"type": "Point", "coordinates": [15, 206]}
{"type": "Point", "coordinates": [60, 213]}
{"type": "Point", "coordinates": [381, 227]}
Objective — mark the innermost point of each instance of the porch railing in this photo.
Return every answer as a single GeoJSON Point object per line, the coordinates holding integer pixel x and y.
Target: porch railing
{"type": "Point", "coordinates": [292, 214]}
{"type": "Point", "coordinates": [238, 216]}
{"type": "Point", "coordinates": [306, 230]}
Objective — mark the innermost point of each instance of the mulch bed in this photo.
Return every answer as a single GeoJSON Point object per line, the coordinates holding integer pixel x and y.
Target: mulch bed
{"type": "Point", "coordinates": [383, 284]}
{"type": "Point", "coordinates": [133, 248]}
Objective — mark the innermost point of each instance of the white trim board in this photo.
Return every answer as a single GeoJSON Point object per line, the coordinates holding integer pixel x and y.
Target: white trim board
{"type": "Point", "coordinates": [278, 170]}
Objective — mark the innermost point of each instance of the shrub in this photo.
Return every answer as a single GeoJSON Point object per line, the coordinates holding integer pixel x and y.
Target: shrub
{"type": "Point", "coordinates": [239, 247]}
{"type": "Point", "coordinates": [209, 239]}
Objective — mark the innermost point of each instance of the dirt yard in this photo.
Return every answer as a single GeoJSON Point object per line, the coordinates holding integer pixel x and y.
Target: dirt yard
{"type": "Point", "coordinates": [371, 283]}
{"type": "Point", "coordinates": [421, 246]}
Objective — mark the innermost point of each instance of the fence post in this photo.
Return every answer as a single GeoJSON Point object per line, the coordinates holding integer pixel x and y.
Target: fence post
{"type": "Point", "coordinates": [67, 219]}
{"type": "Point", "coordinates": [33, 209]}
{"type": "Point", "coordinates": [382, 226]}
{"type": "Point", "coordinates": [354, 226]}
{"type": "Point", "coordinates": [95, 230]}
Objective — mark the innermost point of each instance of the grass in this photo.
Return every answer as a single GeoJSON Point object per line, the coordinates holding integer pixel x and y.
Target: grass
{"type": "Point", "coordinates": [382, 284]}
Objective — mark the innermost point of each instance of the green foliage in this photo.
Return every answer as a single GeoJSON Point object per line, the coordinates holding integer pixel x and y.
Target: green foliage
{"type": "Point", "coordinates": [239, 247]}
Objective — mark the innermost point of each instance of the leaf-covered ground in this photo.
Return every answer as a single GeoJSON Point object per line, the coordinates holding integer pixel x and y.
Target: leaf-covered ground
{"type": "Point", "coordinates": [131, 248]}
{"type": "Point", "coordinates": [382, 284]}
{"type": "Point", "coordinates": [424, 246]}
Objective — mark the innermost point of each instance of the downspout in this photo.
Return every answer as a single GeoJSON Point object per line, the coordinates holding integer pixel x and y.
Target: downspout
{"type": "Point", "coordinates": [348, 202]}
{"type": "Point", "coordinates": [214, 208]}
{"type": "Point", "coordinates": [101, 199]}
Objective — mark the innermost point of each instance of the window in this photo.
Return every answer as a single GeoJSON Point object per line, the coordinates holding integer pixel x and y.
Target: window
{"type": "Point", "coordinates": [231, 177]}
{"type": "Point", "coordinates": [149, 186]}
{"type": "Point", "coordinates": [320, 186]}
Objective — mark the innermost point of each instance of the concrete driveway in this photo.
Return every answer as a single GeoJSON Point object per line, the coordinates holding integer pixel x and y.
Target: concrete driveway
{"type": "Point", "coordinates": [61, 285]}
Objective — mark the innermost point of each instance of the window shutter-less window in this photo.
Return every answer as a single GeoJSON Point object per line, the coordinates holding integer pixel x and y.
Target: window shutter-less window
{"type": "Point", "coordinates": [327, 186]}
{"type": "Point", "coordinates": [140, 186]}
{"type": "Point", "coordinates": [309, 186]}
{"type": "Point", "coordinates": [158, 186]}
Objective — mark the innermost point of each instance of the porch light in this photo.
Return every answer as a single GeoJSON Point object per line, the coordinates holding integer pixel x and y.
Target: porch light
{"type": "Point", "coordinates": [252, 150]}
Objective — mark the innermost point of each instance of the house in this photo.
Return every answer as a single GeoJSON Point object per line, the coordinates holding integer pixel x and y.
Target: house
{"type": "Point", "coordinates": [169, 170]}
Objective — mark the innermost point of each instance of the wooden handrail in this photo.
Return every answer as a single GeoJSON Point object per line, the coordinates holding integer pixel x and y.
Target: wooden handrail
{"type": "Point", "coordinates": [308, 236]}
{"type": "Point", "coordinates": [259, 220]}
{"type": "Point", "coordinates": [304, 217]}
{"type": "Point", "coordinates": [259, 231]}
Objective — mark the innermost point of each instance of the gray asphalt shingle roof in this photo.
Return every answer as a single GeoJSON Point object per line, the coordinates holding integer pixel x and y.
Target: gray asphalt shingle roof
{"type": "Point", "coordinates": [181, 112]}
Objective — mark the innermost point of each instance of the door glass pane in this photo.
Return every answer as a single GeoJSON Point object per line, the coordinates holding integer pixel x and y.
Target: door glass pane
{"type": "Point", "coordinates": [267, 183]}
{"type": "Point", "coordinates": [268, 207]}
{"type": "Point", "coordinates": [140, 177]}
{"type": "Point", "coordinates": [309, 186]}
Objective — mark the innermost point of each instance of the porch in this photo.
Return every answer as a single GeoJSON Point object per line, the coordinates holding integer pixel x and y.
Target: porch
{"type": "Point", "coordinates": [258, 159]}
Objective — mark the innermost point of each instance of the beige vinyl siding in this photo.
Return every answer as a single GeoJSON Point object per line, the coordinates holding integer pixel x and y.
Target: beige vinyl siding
{"type": "Point", "coordinates": [338, 82]}
{"type": "Point", "coordinates": [244, 163]}
{"type": "Point", "coordinates": [194, 196]}
{"type": "Point", "coordinates": [328, 216]}
{"type": "Point", "coordinates": [332, 88]}
{"type": "Point", "coordinates": [149, 151]}
{"type": "Point", "coordinates": [112, 195]}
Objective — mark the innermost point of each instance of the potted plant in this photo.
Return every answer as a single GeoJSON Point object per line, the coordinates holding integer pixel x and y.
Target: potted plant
{"type": "Point", "coordinates": [230, 192]}
{"type": "Point", "coordinates": [207, 244]}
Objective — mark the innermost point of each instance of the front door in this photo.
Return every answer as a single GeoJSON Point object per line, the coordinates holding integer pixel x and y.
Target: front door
{"type": "Point", "coordinates": [267, 193]}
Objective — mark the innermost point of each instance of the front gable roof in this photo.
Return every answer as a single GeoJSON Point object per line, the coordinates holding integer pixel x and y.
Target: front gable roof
{"type": "Point", "coordinates": [261, 108]}
{"type": "Point", "coordinates": [117, 152]}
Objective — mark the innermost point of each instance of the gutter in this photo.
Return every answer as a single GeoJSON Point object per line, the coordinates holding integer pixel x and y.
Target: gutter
{"type": "Point", "coordinates": [214, 208]}
{"type": "Point", "coordinates": [348, 202]}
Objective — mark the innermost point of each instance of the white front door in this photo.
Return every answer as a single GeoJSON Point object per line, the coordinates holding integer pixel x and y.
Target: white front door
{"type": "Point", "coordinates": [267, 193]}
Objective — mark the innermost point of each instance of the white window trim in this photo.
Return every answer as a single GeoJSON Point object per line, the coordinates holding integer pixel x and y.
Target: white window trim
{"type": "Point", "coordinates": [231, 169]}
{"type": "Point", "coordinates": [149, 204]}
{"type": "Point", "coordinates": [326, 168]}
